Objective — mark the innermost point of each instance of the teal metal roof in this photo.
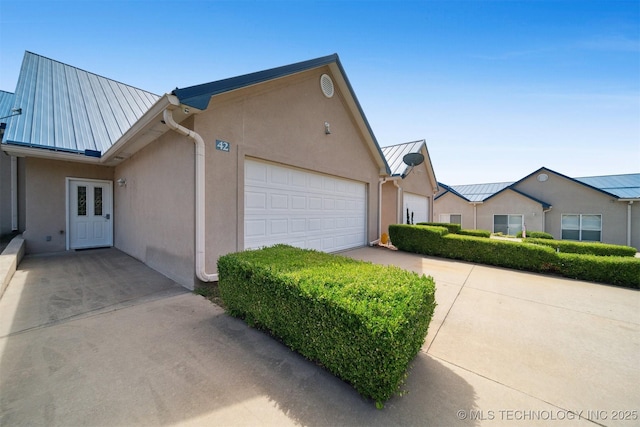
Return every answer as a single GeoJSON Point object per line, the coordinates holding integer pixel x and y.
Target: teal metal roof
{"type": "Point", "coordinates": [6, 104]}
{"type": "Point", "coordinates": [393, 154]}
{"type": "Point", "coordinates": [625, 186]}
{"type": "Point", "coordinates": [479, 192]}
{"type": "Point", "coordinates": [68, 109]}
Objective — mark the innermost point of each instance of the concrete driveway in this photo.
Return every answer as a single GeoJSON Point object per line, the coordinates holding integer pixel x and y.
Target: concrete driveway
{"type": "Point", "coordinates": [97, 338]}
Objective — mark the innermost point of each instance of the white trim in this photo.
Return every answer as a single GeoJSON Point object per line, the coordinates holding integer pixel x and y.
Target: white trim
{"type": "Point", "coordinates": [68, 181]}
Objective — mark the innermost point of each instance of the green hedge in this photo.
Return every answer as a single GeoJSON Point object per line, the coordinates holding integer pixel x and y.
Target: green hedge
{"type": "Point", "coordinates": [453, 228]}
{"type": "Point", "coordinates": [476, 233]}
{"type": "Point", "coordinates": [435, 241]}
{"type": "Point", "coordinates": [595, 248]}
{"type": "Point", "coordinates": [536, 235]}
{"type": "Point", "coordinates": [361, 321]}
{"type": "Point", "coordinates": [615, 270]}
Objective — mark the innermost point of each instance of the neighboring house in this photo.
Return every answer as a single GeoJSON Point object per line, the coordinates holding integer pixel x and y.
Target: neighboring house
{"type": "Point", "coordinates": [284, 155]}
{"type": "Point", "coordinates": [409, 190]}
{"type": "Point", "coordinates": [603, 208]}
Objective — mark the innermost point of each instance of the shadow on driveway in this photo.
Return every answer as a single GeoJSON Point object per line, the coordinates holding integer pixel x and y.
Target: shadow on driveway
{"type": "Point", "coordinates": [97, 338]}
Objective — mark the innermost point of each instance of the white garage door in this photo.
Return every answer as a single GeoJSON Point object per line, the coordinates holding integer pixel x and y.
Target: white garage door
{"type": "Point", "coordinates": [301, 208]}
{"type": "Point", "coordinates": [418, 206]}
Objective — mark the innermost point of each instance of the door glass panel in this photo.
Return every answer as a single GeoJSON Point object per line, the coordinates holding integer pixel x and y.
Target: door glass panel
{"type": "Point", "coordinates": [97, 201]}
{"type": "Point", "coordinates": [515, 224]}
{"type": "Point", "coordinates": [501, 224]}
{"type": "Point", "coordinates": [82, 201]}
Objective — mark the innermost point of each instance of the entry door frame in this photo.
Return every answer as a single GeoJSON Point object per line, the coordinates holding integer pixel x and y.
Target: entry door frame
{"type": "Point", "coordinates": [107, 209]}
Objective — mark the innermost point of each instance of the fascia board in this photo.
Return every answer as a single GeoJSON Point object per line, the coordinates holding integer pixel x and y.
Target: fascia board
{"type": "Point", "coordinates": [147, 129]}
{"type": "Point", "coordinates": [25, 151]}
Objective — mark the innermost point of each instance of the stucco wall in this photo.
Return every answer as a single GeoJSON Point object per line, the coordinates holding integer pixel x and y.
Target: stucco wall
{"type": "Point", "coordinates": [45, 195]}
{"type": "Point", "coordinates": [154, 212]}
{"type": "Point", "coordinates": [389, 206]}
{"type": "Point", "coordinates": [510, 203]}
{"type": "Point", "coordinates": [569, 197]}
{"type": "Point", "coordinates": [452, 204]}
{"type": "Point", "coordinates": [280, 121]}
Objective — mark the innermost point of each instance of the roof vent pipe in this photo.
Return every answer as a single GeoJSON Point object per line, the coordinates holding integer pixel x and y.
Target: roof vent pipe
{"type": "Point", "coordinates": [200, 194]}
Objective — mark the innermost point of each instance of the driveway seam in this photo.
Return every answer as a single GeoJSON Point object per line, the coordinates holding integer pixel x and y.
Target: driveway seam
{"type": "Point", "coordinates": [444, 319]}
{"type": "Point", "coordinates": [141, 300]}
{"type": "Point", "coordinates": [553, 305]}
{"type": "Point", "coordinates": [517, 390]}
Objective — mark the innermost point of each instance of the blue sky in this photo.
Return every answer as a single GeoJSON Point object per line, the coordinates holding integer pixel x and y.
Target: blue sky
{"type": "Point", "coordinates": [496, 88]}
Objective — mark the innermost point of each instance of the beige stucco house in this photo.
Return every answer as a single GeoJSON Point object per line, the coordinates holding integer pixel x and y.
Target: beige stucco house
{"type": "Point", "coordinates": [603, 208]}
{"type": "Point", "coordinates": [284, 155]}
{"type": "Point", "coordinates": [408, 191]}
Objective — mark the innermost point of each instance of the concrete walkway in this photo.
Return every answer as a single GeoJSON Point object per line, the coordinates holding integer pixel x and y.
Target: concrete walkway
{"type": "Point", "coordinates": [97, 338]}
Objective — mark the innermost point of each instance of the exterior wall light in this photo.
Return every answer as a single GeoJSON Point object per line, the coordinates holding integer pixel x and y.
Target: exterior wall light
{"type": "Point", "coordinates": [327, 128]}
{"type": "Point", "coordinates": [122, 182]}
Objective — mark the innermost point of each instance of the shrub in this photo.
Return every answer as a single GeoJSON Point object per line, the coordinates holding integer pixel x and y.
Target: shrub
{"type": "Point", "coordinates": [498, 252]}
{"type": "Point", "coordinates": [453, 228]}
{"type": "Point", "coordinates": [475, 233]}
{"type": "Point", "coordinates": [588, 248]}
{"type": "Point", "coordinates": [538, 257]}
{"type": "Point", "coordinates": [437, 242]}
{"type": "Point", "coordinates": [536, 235]}
{"type": "Point", "coordinates": [419, 239]}
{"type": "Point", "coordinates": [363, 322]}
{"type": "Point", "coordinates": [621, 271]}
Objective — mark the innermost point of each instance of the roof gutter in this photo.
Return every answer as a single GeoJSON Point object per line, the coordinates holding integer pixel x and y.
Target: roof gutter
{"type": "Point", "coordinates": [200, 193]}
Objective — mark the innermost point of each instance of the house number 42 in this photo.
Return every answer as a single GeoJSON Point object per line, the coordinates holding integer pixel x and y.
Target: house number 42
{"type": "Point", "coordinates": [222, 145]}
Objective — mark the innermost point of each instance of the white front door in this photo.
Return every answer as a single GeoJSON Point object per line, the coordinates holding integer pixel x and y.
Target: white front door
{"type": "Point", "coordinates": [90, 213]}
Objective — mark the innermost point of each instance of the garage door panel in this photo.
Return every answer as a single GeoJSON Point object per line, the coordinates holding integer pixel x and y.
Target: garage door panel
{"type": "Point", "coordinates": [418, 205]}
{"type": "Point", "coordinates": [255, 228]}
{"type": "Point", "coordinates": [279, 201]}
{"type": "Point", "coordinates": [305, 209]}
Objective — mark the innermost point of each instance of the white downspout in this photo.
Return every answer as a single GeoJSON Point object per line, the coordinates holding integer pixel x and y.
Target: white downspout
{"type": "Point", "coordinates": [380, 182]}
{"type": "Point", "coordinates": [14, 193]}
{"type": "Point", "coordinates": [475, 216]}
{"type": "Point", "coordinates": [629, 222]}
{"type": "Point", "coordinates": [200, 194]}
{"type": "Point", "coordinates": [400, 209]}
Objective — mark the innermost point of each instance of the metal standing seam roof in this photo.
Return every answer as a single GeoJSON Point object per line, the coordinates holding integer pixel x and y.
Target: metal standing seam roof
{"type": "Point", "coordinates": [68, 109]}
{"type": "Point", "coordinates": [449, 190]}
{"type": "Point", "coordinates": [6, 104]}
{"type": "Point", "coordinates": [479, 192]}
{"type": "Point", "coordinates": [394, 154]}
{"type": "Point", "coordinates": [625, 186]}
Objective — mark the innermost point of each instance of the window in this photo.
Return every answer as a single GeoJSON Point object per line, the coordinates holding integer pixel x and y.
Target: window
{"type": "Point", "coordinates": [97, 201]}
{"type": "Point", "coordinates": [82, 201]}
{"type": "Point", "coordinates": [582, 227]}
{"type": "Point", "coordinates": [451, 218]}
{"type": "Point", "coordinates": [510, 225]}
